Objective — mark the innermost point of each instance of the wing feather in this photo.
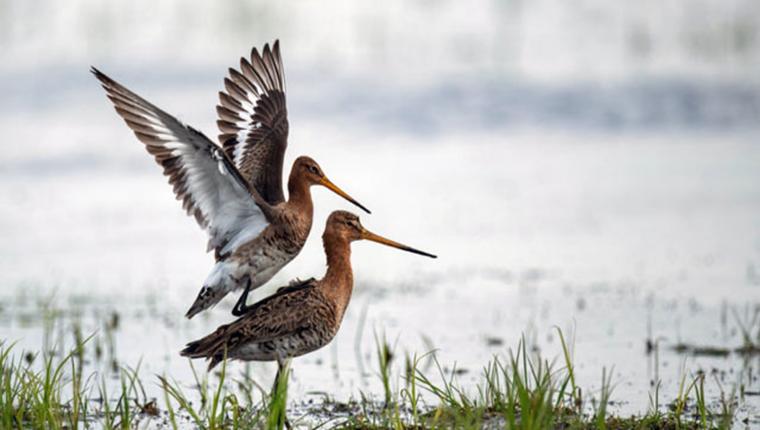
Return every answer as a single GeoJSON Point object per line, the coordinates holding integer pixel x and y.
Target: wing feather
{"type": "Point", "coordinates": [253, 121]}
{"type": "Point", "coordinates": [209, 185]}
{"type": "Point", "coordinates": [286, 313]}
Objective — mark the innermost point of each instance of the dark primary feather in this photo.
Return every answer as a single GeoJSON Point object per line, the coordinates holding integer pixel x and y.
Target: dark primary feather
{"type": "Point", "coordinates": [204, 179]}
{"type": "Point", "coordinates": [253, 121]}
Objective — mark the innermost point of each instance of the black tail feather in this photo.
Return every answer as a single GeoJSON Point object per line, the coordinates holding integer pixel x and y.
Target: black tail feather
{"type": "Point", "coordinates": [213, 361]}
{"type": "Point", "coordinates": [210, 347]}
{"type": "Point", "coordinates": [191, 349]}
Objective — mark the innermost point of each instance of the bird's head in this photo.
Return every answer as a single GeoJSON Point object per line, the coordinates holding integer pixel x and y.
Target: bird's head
{"type": "Point", "coordinates": [312, 173]}
{"type": "Point", "coordinates": [347, 226]}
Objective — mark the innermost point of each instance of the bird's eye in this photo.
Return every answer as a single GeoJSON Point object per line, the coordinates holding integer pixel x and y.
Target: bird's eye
{"type": "Point", "coordinates": [313, 170]}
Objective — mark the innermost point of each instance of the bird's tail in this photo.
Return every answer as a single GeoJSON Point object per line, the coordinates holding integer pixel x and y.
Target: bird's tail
{"type": "Point", "coordinates": [218, 283]}
{"type": "Point", "coordinates": [212, 347]}
{"type": "Point", "coordinates": [207, 298]}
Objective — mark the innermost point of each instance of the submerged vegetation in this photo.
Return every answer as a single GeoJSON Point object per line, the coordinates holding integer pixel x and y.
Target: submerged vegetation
{"type": "Point", "coordinates": [521, 391]}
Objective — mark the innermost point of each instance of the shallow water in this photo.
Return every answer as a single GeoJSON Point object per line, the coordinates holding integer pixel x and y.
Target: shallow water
{"type": "Point", "coordinates": [621, 209]}
{"type": "Point", "coordinates": [615, 239]}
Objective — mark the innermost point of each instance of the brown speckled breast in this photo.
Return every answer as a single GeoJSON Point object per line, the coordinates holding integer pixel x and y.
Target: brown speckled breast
{"type": "Point", "coordinates": [284, 238]}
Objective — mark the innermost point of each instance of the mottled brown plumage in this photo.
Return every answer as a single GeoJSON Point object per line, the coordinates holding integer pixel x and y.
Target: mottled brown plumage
{"type": "Point", "coordinates": [234, 191]}
{"type": "Point", "coordinates": [299, 318]}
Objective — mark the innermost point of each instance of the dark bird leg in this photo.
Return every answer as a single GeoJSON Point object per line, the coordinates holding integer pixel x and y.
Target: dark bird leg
{"type": "Point", "coordinates": [240, 307]}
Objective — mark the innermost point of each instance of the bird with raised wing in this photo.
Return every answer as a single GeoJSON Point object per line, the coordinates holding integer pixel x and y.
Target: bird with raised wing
{"type": "Point", "coordinates": [301, 317]}
{"type": "Point", "coordinates": [234, 190]}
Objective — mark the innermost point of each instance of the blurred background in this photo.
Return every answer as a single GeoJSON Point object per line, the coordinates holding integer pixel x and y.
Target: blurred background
{"type": "Point", "coordinates": [589, 163]}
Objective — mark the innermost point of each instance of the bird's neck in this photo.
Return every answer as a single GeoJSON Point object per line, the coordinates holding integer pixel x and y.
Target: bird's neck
{"type": "Point", "coordinates": [339, 279]}
{"type": "Point", "coordinates": [299, 194]}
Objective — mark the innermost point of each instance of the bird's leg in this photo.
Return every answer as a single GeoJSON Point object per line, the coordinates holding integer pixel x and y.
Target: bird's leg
{"type": "Point", "coordinates": [280, 388]}
{"type": "Point", "coordinates": [240, 307]}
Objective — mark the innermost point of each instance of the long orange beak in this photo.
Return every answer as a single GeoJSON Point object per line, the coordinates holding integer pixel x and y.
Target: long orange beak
{"type": "Point", "coordinates": [334, 188]}
{"type": "Point", "coordinates": [366, 234]}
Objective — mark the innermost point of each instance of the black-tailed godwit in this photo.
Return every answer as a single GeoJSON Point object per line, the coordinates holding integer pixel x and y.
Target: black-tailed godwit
{"type": "Point", "coordinates": [234, 191]}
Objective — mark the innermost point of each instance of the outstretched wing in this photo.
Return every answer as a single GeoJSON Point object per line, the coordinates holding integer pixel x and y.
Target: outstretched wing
{"type": "Point", "coordinates": [203, 177]}
{"type": "Point", "coordinates": [253, 121]}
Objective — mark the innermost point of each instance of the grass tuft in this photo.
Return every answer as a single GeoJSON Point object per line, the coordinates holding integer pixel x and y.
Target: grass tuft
{"type": "Point", "coordinates": [519, 391]}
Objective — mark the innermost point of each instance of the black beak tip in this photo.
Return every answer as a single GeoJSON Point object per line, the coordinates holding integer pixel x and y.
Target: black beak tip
{"type": "Point", "coordinates": [426, 254]}
{"type": "Point", "coordinates": [362, 207]}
